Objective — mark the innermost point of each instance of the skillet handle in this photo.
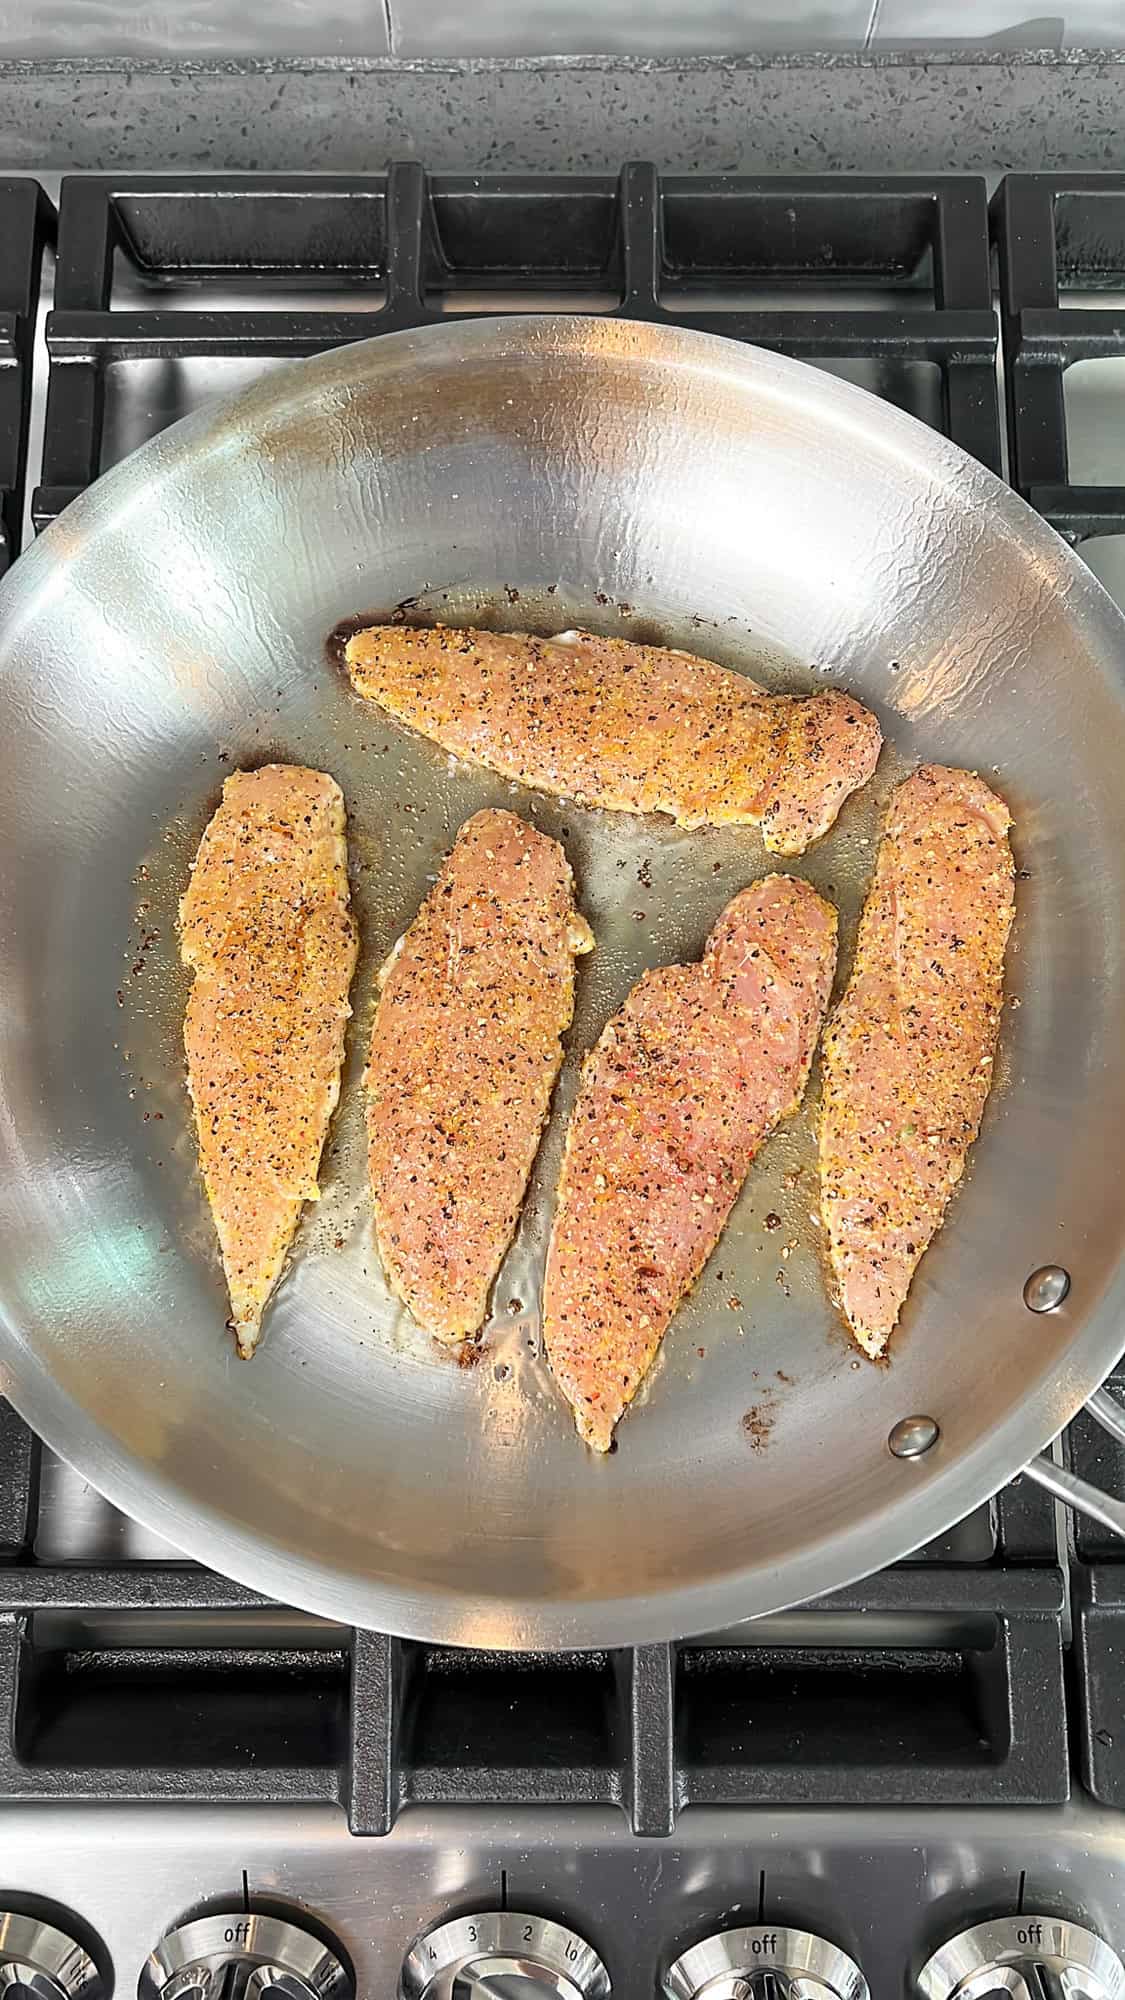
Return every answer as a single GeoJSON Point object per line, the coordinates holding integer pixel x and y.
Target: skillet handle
{"type": "Point", "coordinates": [1079, 1493]}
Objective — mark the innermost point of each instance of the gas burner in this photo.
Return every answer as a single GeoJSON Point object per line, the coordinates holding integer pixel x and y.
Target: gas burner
{"type": "Point", "coordinates": [879, 1785]}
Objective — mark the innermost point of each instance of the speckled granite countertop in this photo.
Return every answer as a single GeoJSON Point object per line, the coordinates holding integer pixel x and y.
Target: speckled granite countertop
{"type": "Point", "coordinates": [881, 114]}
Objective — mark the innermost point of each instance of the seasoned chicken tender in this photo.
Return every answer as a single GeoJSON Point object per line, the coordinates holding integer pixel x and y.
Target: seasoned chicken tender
{"type": "Point", "coordinates": [631, 728]}
{"type": "Point", "coordinates": [684, 1087]}
{"type": "Point", "coordinates": [267, 932]}
{"type": "Point", "coordinates": [465, 1051]}
{"type": "Point", "coordinates": [909, 1051]}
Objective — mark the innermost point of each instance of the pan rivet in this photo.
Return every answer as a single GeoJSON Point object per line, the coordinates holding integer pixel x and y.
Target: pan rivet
{"type": "Point", "coordinates": [1046, 1288]}
{"type": "Point", "coordinates": [912, 1436]}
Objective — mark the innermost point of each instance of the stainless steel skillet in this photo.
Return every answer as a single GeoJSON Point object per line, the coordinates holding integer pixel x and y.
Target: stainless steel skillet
{"type": "Point", "coordinates": [545, 471]}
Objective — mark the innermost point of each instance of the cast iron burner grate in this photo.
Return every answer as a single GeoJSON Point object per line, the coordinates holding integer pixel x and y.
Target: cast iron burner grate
{"type": "Point", "coordinates": [940, 1681]}
{"type": "Point", "coordinates": [27, 225]}
{"type": "Point", "coordinates": [402, 249]}
{"type": "Point", "coordinates": [1057, 234]}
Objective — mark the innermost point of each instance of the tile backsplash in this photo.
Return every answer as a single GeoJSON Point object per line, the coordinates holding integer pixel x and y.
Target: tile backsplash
{"type": "Point", "coordinates": [627, 27]}
{"type": "Point", "coordinates": [438, 28]}
{"type": "Point", "coordinates": [57, 29]}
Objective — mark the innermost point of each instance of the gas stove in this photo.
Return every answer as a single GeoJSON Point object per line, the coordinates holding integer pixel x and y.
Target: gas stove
{"type": "Point", "coordinates": [915, 1785]}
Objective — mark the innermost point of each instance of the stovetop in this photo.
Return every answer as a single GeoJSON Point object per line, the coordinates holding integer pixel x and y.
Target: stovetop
{"type": "Point", "coordinates": [942, 1742]}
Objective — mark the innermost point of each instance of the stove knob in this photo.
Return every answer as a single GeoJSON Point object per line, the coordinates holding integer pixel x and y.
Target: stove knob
{"type": "Point", "coordinates": [501, 1955]}
{"type": "Point", "coordinates": [1029, 1958]}
{"type": "Point", "coordinates": [765, 1961]}
{"type": "Point", "coordinates": [44, 1960]}
{"type": "Point", "coordinates": [244, 1956]}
